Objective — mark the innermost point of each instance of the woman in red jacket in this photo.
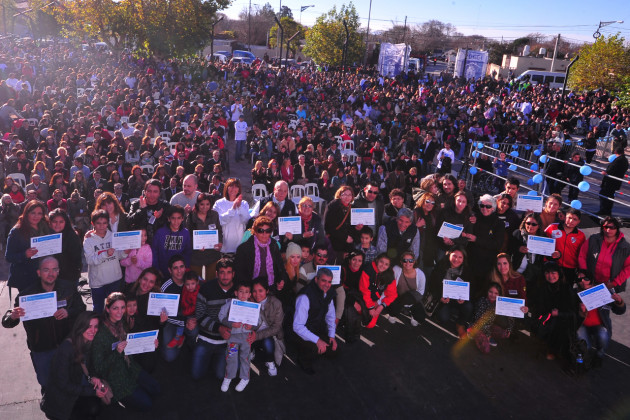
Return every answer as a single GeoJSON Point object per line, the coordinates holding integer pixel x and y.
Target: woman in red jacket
{"type": "Point", "coordinates": [378, 287]}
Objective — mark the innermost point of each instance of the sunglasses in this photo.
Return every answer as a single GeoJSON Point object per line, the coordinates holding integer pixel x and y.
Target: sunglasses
{"type": "Point", "coordinates": [321, 255]}
{"type": "Point", "coordinates": [584, 279]}
{"type": "Point", "coordinates": [407, 260]}
{"type": "Point", "coordinates": [609, 227]}
{"type": "Point", "coordinates": [372, 192]}
{"type": "Point", "coordinates": [531, 223]}
{"type": "Point", "coordinates": [485, 206]}
{"type": "Point", "coordinates": [261, 230]}
{"type": "Point", "coordinates": [430, 202]}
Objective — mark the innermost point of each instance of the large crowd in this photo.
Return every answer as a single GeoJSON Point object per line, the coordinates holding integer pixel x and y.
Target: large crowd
{"type": "Point", "coordinates": [95, 144]}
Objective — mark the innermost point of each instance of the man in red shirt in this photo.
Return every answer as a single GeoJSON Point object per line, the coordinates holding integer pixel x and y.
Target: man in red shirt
{"type": "Point", "coordinates": [569, 240]}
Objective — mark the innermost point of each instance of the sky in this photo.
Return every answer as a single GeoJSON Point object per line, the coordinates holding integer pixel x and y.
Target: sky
{"type": "Point", "coordinates": [575, 20]}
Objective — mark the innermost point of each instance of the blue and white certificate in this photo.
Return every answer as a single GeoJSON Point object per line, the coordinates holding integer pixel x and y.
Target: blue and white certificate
{"type": "Point", "coordinates": [362, 217]}
{"type": "Point", "coordinates": [595, 297]}
{"type": "Point", "coordinates": [510, 307]}
{"type": "Point", "coordinates": [47, 245]}
{"type": "Point", "coordinates": [122, 241]}
{"type": "Point", "coordinates": [456, 289]}
{"type": "Point", "coordinates": [290, 224]}
{"type": "Point", "coordinates": [41, 305]}
{"type": "Point", "coordinates": [245, 312]}
{"type": "Point", "coordinates": [158, 302]}
{"type": "Point", "coordinates": [529, 202]}
{"type": "Point", "coordinates": [205, 239]}
{"type": "Point", "coordinates": [541, 245]}
{"type": "Point", "coordinates": [336, 272]}
{"type": "Point", "coordinates": [450, 231]}
{"type": "Point", "coordinates": [142, 342]}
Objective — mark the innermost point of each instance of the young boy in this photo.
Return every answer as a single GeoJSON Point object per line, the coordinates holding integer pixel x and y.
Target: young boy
{"type": "Point", "coordinates": [171, 240]}
{"type": "Point", "coordinates": [366, 246]}
{"type": "Point", "coordinates": [500, 168]}
{"type": "Point", "coordinates": [238, 348]}
{"type": "Point", "coordinates": [187, 303]}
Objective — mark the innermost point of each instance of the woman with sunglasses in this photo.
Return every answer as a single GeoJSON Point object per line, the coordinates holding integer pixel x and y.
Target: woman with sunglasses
{"type": "Point", "coordinates": [260, 256]}
{"type": "Point", "coordinates": [425, 213]}
{"type": "Point", "coordinates": [337, 221]}
{"type": "Point", "coordinates": [524, 262]}
{"type": "Point", "coordinates": [410, 283]}
{"type": "Point", "coordinates": [606, 255]}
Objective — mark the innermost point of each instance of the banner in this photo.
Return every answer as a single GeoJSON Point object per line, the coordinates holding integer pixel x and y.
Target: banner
{"type": "Point", "coordinates": [475, 63]}
{"type": "Point", "coordinates": [393, 58]}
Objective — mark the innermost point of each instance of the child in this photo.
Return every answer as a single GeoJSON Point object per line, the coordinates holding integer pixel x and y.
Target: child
{"type": "Point", "coordinates": [485, 330]}
{"type": "Point", "coordinates": [171, 240]}
{"type": "Point", "coordinates": [187, 303]}
{"type": "Point", "coordinates": [238, 348]}
{"type": "Point", "coordinates": [366, 246]}
{"type": "Point", "coordinates": [137, 260]}
{"type": "Point", "coordinates": [500, 168]}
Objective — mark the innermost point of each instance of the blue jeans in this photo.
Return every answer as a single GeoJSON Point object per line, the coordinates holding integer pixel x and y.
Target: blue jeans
{"type": "Point", "coordinates": [599, 334]}
{"type": "Point", "coordinates": [100, 293]}
{"type": "Point", "coordinates": [267, 347]}
{"type": "Point", "coordinates": [169, 331]}
{"type": "Point", "coordinates": [203, 354]}
{"type": "Point", "coordinates": [142, 397]}
{"type": "Point", "coordinates": [42, 360]}
{"type": "Point", "coordinates": [240, 149]}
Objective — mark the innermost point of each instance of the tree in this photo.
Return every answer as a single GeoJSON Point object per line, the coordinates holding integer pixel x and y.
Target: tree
{"type": "Point", "coordinates": [325, 40]}
{"type": "Point", "coordinates": [624, 94]}
{"type": "Point", "coordinates": [605, 64]}
{"type": "Point", "coordinates": [262, 18]}
{"type": "Point", "coordinates": [286, 12]}
{"type": "Point", "coordinates": [497, 50]}
{"type": "Point", "coordinates": [290, 27]}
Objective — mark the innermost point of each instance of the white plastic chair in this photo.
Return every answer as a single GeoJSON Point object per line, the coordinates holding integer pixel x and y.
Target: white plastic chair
{"type": "Point", "coordinates": [184, 126]}
{"type": "Point", "coordinates": [347, 145]}
{"type": "Point", "coordinates": [337, 120]}
{"type": "Point", "coordinates": [323, 125]}
{"type": "Point", "coordinates": [149, 169]}
{"type": "Point", "coordinates": [312, 190]}
{"type": "Point", "coordinates": [165, 135]}
{"type": "Point", "coordinates": [124, 120]}
{"type": "Point", "coordinates": [80, 92]}
{"type": "Point", "coordinates": [259, 191]}
{"type": "Point", "coordinates": [296, 193]}
{"type": "Point", "coordinates": [19, 178]}
{"type": "Point", "coordinates": [352, 156]}
{"type": "Point", "coordinates": [32, 122]}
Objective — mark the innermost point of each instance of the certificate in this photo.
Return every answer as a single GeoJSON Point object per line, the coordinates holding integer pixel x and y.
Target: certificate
{"type": "Point", "coordinates": [510, 307]}
{"type": "Point", "coordinates": [46, 245]}
{"type": "Point", "coordinates": [142, 342]}
{"type": "Point", "coordinates": [456, 289]}
{"type": "Point", "coordinates": [362, 217]}
{"type": "Point", "coordinates": [541, 245]}
{"type": "Point", "coordinates": [290, 224]}
{"type": "Point", "coordinates": [595, 297]}
{"type": "Point", "coordinates": [168, 302]}
{"type": "Point", "coordinates": [41, 305]}
{"type": "Point", "coordinates": [529, 202]}
{"type": "Point", "coordinates": [450, 231]}
{"type": "Point", "coordinates": [205, 239]}
{"type": "Point", "coordinates": [336, 271]}
{"type": "Point", "coordinates": [122, 241]}
{"type": "Point", "coordinates": [245, 312]}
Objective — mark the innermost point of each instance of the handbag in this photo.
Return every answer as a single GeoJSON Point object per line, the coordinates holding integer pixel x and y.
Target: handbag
{"type": "Point", "coordinates": [109, 395]}
{"type": "Point", "coordinates": [430, 303]}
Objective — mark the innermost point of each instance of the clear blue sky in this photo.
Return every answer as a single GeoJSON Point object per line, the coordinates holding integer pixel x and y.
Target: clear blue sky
{"type": "Point", "coordinates": [576, 20]}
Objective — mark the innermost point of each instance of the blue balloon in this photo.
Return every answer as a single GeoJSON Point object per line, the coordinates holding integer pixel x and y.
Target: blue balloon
{"type": "Point", "coordinates": [472, 170]}
{"type": "Point", "coordinates": [530, 182]}
{"type": "Point", "coordinates": [576, 204]}
{"type": "Point", "coordinates": [495, 145]}
{"type": "Point", "coordinates": [537, 178]}
{"type": "Point", "coordinates": [532, 192]}
{"type": "Point", "coordinates": [480, 145]}
{"type": "Point", "coordinates": [567, 142]}
{"type": "Point", "coordinates": [580, 143]}
{"type": "Point", "coordinates": [512, 167]}
{"type": "Point", "coordinates": [514, 154]}
{"type": "Point", "coordinates": [584, 186]}
{"type": "Point", "coordinates": [611, 158]}
{"type": "Point", "coordinates": [527, 147]}
{"type": "Point", "coordinates": [515, 146]}
{"type": "Point", "coordinates": [537, 152]}
{"type": "Point", "coordinates": [534, 167]}
{"type": "Point", "coordinates": [475, 154]}
{"type": "Point", "coordinates": [586, 170]}
{"type": "Point", "coordinates": [543, 159]}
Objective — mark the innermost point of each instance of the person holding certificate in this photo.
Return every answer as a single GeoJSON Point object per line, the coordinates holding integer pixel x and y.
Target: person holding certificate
{"type": "Point", "coordinates": [523, 261]}
{"type": "Point", "coordinates": [269, 338]}
{"type": "Point", "coordinates": [551, 212]}
{"type": "Point", "coordinates": [452, 267]}
{"type": "Point", "coordinates": [458, 215]}
{"type": "Point", "coordinates": [312, 226]}
{"type": "Point", "coordinates": [337, 221]}
{"type": "Point", "coordinates": [554, 307]}
{"type": "Point", "coordinates": [32, 223]}
{"type": "Point", "coordinates": [203, 217]}
{"type": "Point", "coordinates": [596, 328]}
{"type": "Point", "coordinates": [50, 319]}
{"type": "Point", "coordinates": [487, 329]}
{"type": "Point", "coordinates": [130, 385]}
{"type": "Point", "coordinates": [71, 259]}
{"type": "Point", "coordinates": [233, 215]}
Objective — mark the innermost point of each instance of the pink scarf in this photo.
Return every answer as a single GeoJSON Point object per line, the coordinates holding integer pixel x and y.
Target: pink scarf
{"type": "Point", "coordinates": [268, 260]}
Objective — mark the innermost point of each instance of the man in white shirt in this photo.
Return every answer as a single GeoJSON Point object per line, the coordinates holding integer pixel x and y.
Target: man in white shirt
{"type": "Point", "coordinates": [240, 136]}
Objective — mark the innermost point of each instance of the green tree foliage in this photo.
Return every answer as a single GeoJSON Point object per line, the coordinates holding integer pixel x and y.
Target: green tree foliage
{"type": "Point", "coordinates": [604, 64]}
{"type": "Point", "coordinates": [325, 40]}
{"type": "Point", "coordinates": [162, 28]}
{"type": "Point", "coordinates": [286, 12]}
{"type": "Point", "coordinates": [290, 27]}
{"type": "Point", "coordinates": [624, 94]}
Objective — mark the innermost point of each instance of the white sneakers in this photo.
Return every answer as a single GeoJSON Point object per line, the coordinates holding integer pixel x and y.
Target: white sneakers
{"type": "Point", "coordinates": [225, 385]}
{"type": "Point", "coordinates": [241, 385]}
{"type": "Point", "coordinates": [271, 369]}
{"type": "Point", "coordinates": [413, 322]}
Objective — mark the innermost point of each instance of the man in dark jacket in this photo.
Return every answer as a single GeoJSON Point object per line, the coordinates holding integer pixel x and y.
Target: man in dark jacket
{"type": "Point", "coordinates": [369, 197]}
{"type": "Point", "coordinates": [280, 196]}
{"type": "Point", "coordinates": [616, 168]}
{"type": "Point", "coordinates": [45, 333]}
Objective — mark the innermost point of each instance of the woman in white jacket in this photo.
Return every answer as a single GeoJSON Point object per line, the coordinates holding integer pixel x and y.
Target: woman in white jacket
{"type": "Point", "coordinates": [410, 283]}
{"type": "Point", "coordinates": [233, 215]}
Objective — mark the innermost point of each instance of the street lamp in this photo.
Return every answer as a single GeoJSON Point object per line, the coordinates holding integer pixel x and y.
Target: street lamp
{"type": "Point", "coordinates": [212, 44]}
{"type": "Point", "coordinates": [303, 8]}
{"type": "Point", "coordinates": [281, 40]}
{"type": "Point", "coordinates": [597, 34]}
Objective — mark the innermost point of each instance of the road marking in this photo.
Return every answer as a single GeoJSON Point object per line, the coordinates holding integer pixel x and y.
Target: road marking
{"type": "Point", "coordinates": [425, 339]}
{"type": "Point", "coordinates": [441, 328]}
{"type": "Point", "coordinates": [614, 358]}
{"type": "Point", "coordinates": [289, 359]}
{"type": "Point", "coordinates": [525, 332]}
{"type": "Point", "coordinates": [339, 338]}
{"type": "Point", "coordinates": [254, 368]}
{"type": "Point", "coordinates": [368, 342]}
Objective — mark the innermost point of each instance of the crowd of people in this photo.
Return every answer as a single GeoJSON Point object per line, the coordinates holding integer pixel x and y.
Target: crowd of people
{"type": "Point", "coordinates": [97, 144]}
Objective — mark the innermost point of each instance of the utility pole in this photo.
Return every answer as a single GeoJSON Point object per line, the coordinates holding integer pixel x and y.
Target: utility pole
{"type": "Point", "coordinates": [249, 30]}
{"type": "Point", "coordinates": [345, 46]}
{"type": "Point", "coordinates": [555, 51]}
{"type": "Point", "coordinates": [367, 33]}
{"type": "Point", "coordinates": [406, 55]}
{"type": "Point", "coordinates": [405, 30]}
{"type": "Point", "coordinates": [288, 41]}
